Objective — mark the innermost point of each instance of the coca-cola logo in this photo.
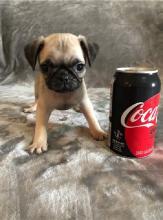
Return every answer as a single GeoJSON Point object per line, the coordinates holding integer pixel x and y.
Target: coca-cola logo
{"type": "Point", "coordinates": [138, 116]}
{"type": "Point", "coordinates": [140, 122]}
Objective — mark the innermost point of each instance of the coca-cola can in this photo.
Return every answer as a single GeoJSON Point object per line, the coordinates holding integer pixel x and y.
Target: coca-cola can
{"type": "Point", "coordinates": [135, 95]}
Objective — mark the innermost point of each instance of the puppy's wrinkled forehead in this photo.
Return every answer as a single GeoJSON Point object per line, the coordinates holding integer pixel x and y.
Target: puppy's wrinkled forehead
{"type": "Point", "coordinates": [61, 48]}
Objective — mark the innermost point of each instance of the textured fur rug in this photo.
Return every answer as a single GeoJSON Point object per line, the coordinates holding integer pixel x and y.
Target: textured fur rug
{"type": "Point", "coordinates": [78, 177]}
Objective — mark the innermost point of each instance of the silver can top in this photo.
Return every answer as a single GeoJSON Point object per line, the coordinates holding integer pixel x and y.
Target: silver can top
{"type": "Point", "coordinates": [144, 70]}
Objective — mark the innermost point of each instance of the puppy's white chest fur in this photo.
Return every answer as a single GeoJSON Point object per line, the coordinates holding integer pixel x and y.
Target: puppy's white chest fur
{"type": "Point", "coordinates": [63, 101]}
{"type": "Point", "coordinates": [66, 101]}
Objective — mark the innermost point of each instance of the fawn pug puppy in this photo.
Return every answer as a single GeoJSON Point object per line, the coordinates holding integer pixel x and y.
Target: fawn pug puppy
{"type": "Point", "coordinates": [60, 82]}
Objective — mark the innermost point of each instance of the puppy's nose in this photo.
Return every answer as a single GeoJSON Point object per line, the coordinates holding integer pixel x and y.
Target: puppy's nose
{"type": "Point", "coordinates": [64, 75]}
{"type": "Point", "coordinates": [65, 78]}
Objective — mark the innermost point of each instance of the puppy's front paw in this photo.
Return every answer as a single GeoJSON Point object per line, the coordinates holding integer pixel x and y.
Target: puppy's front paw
{"type": "Point", "coordinates": [38, 147]}
{"type": "Point", "coordinates": [99, 134]}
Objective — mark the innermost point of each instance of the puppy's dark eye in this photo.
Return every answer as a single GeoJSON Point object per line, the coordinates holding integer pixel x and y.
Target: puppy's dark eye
{"type": "Point", "coordinates": [79, 67]}
{"type": "Point", "coordinates": [44, 67]}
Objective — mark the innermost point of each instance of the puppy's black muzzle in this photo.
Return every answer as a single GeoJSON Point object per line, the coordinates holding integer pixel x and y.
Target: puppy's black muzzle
{"type": "Point", "coordinates": [63, 80]}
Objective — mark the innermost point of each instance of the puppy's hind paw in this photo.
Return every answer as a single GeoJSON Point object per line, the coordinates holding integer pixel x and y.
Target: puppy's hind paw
{"type": "Point", "coordinates": [77, 108]}
{"type": "Point", "coordinates": [30, 109]}
{"type": "Point", "coordinates": [38, 148]}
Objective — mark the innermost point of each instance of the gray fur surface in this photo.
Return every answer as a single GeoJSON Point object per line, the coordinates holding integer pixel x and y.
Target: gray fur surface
{"type": "Point", "coordinates": [128, 33]}
{"type": "Point", "coordinates": [78, 177]}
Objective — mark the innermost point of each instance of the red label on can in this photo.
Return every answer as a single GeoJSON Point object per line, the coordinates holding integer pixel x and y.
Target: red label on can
{"type": "Point", "coordinates": [140, 122]}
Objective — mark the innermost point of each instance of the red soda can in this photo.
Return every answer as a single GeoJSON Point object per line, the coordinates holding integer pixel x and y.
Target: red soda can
{"type": "Point", "coordinates": [134, 110]}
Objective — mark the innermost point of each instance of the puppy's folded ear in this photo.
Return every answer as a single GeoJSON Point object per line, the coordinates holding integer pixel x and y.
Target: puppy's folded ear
{"type": "Point", "coordinates": [32, 51]}
{"type": "Point", "coordinates": [90, 50]}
